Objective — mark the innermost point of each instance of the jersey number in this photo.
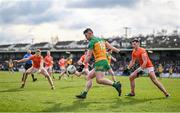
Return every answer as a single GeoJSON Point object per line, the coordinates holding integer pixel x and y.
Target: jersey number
{"type": "Point", "coordinates": [102, 45]}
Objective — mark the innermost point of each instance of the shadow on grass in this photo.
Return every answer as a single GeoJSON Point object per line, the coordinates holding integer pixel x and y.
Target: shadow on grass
{"type": "Point", "coordinates": [12, 90]}
{"type": "Point", "coordinates": [69, 87]}
{"type": "Point", "coordinates": [77, 104]}
{"type": "Point", "coordinates": [80, 105]}
{"type": "Point", "coordinates": [130, 101]}
{"type": "Point", "coordinates": [78, 86]}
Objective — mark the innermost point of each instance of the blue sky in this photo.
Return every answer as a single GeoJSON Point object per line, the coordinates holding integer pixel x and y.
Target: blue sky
{"type": "Point", "coordinates": [24, 20]}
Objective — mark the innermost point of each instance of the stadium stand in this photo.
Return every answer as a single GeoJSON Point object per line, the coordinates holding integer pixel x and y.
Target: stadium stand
{"type": "Point", "coordinates": [6, 47]}
{"type": "Point", "coordinates": [21, 47]}
{"type": "Point", "coordinates": [42, 46]}
{"type": "Point", "coordinates": [166, 50]}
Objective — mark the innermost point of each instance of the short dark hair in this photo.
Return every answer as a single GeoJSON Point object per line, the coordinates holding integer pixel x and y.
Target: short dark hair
{"type": "Point", "coordinates": [86, 30]}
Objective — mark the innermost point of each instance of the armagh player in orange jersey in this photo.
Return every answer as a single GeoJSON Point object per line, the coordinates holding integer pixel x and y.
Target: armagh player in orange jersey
{"type": "Point", "coordinates": [146, 66]}
{"type": "Point", "coordinates": [37, 66]}
{"type": "Point", "coordinates": [84, 67]}
{"type": "Point", "coordinates": [48, 60]}
{"type": "Point", "coordinates": [97, 47]}
{"type": "Point", "coordinates": [62, 64]}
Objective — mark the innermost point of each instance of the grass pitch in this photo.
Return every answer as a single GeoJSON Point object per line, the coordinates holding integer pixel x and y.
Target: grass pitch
{"type": "Point", "coordinates": [37, 96]}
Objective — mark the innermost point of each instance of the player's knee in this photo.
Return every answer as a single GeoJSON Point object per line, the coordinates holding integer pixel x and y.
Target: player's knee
{"type": "Point", "coordinates": [88, 77]}
{"type": "Point", "coordinates": [27, 73]}
{"type": "Point", "coordinates": [154, 79]}
{"type": "Point", "coordinates": [112, 73]}
{"type": "Point", "coordinates": [98, 80]}
{"type": "Point", "coordinates": [131, 78]}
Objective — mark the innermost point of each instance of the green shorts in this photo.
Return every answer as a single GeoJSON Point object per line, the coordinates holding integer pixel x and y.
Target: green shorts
{"type": "Point", "coordinates": [102, 66]}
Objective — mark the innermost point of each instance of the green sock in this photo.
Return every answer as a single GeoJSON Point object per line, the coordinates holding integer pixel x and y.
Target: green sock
{"type": "Point", "coordinates": [85, 92]}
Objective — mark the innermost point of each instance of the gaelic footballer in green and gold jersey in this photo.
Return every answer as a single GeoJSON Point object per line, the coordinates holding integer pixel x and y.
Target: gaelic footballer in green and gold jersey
{"type": "Point", "coordinates": [97, 47]}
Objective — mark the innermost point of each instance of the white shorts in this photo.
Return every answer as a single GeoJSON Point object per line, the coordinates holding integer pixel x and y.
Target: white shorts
{"type": "Point", "coordinates": [148, 70]}
{"type": "Point", "coordinates": [34, 70]}
{"type": "Point", "coordinates": [49, 69]}
{"type": "Point", "coordinates": [62, 69]}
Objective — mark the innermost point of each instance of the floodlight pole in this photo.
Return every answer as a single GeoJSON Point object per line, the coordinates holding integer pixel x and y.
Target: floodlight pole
{"type": "Point", "coordinates": [126, 31]}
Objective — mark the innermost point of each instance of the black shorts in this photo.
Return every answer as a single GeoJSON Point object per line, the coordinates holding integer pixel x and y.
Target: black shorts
{"type": "Point", "coordinates": [27, 66]}
{"type": "Point", "coordinates": [80, 68]}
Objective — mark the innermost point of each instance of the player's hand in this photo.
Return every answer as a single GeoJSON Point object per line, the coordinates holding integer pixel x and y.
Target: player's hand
{"type": "Point", "coordinates": [15, 61]}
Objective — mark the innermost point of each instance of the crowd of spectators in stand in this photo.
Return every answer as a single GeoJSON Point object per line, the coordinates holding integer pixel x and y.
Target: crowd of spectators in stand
{"type": "Point", "coordinates": [118, 67]}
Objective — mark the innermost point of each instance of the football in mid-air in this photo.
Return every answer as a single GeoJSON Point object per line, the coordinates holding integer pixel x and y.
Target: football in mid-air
{"type": "Point", "coordinates": [71, 69]}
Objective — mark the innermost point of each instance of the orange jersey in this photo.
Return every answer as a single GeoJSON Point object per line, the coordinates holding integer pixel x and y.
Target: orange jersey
{"type": "Point", "coordinates": [62, 62]}
{"type": "Point", "coordinates": [82, 59]}
{"type": "Point", "coordinates": [99, 48]}
{"type": "Point", "coordinates": [48, 61]}
{"type": "Point", "coordinates": [137, 54]}
{"type": "Point", "coordinates": [36, 59]}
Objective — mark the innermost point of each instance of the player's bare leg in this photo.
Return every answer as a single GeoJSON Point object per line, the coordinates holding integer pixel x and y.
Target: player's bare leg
{"type": "Point", "coordinates": [50, 72]}
{"type": "Point", "coordinates": [89, 78]}
{"type": "Point", "coordinates": [132, 78]}
{"type": "Point", "coordinates": [157, 83]}
{"type": "Point", "coordinates": [23, 77]}
{"type": "Point", "coordinates": [101, 80]}
{"type": "Point", "coordinates": [45, 73]}
{"type": "Point", "coordinates": [111, 72]}
{"type": "Point", "coordinates": [11, 70]}
{"type": "Point", "coordinates": [34, 79]}
{"type": "Point", "coordinates": [88, 85]}
{"type": "Point", "coordinates": [86, 70]}
{"type": "Point", "coordinates": [29, 71]}
{"type": "Point", "coordinates": [78, 74]}
{"type": "Point", "coordinates": [62, 74]}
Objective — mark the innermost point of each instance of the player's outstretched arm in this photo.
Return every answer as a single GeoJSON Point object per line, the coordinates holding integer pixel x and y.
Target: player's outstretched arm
{"type": "Point", "coordinates": [88, 56]}
{"type": "Point", "coordinates": [109, 46]}
{"type": "Point", "coordinates": [113, 58]}
{"type": "Point", "coordinates": [22, 60]}
{"type": "Point", "coordinates": [132, 62]}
